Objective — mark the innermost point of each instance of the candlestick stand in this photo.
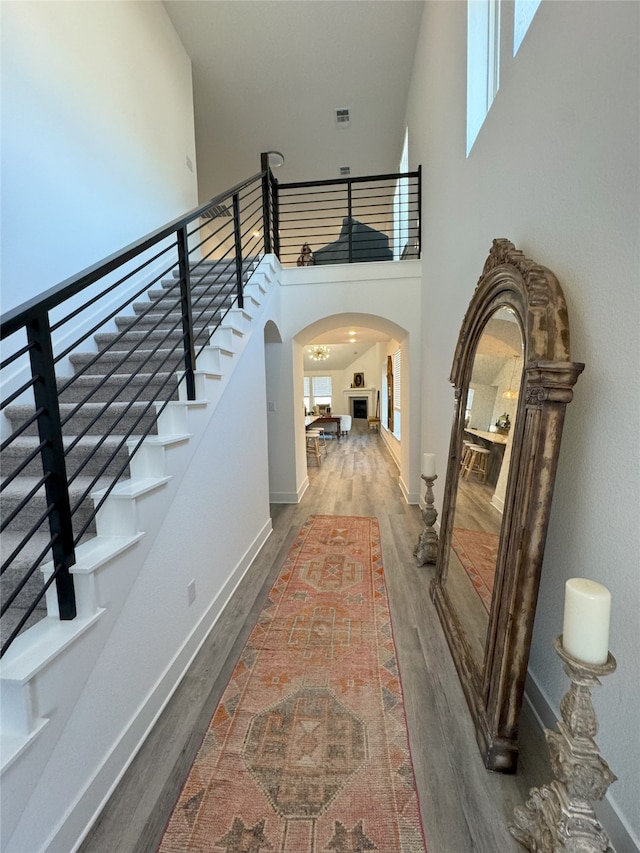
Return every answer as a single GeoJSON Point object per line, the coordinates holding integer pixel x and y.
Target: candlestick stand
{"type": "Point", "coordinates": [559, 817]}
{"type": "Point", "coordinates": [426, 550]}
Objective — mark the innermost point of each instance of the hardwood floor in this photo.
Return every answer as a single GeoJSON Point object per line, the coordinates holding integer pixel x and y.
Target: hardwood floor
{"type": "Point", "coordinates": [464, 807]}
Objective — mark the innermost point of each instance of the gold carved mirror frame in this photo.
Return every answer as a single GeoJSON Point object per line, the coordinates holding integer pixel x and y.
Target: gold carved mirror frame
{"type": "Point", "coordinates": [494, 684]}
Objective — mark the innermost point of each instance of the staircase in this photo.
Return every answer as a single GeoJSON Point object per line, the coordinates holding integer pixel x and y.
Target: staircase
{"type": "Point", "coordinates": [50, 672]}
{"type": "Point", "coordinates": [107, 407]}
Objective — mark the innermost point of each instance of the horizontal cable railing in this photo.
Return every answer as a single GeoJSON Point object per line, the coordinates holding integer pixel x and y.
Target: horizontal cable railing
{"type": "Point", "coordinates": [349, 220]}
{"type": "Point", "coordinates": [91, 365]}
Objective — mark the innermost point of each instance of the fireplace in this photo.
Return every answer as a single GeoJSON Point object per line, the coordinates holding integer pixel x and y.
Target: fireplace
{"type": "Point", "coordinates": [359, 407]}
{"type": "Point", "coordinates": [356, 397]}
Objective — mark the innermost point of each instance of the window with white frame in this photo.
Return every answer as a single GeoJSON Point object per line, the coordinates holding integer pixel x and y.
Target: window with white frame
{"type": "Point", "coordinates": [317, 391]}
{"type": "Point", "coordinates": [401, 204]}
{"type": "Point", "coordinates": [523, 13]}
{"type": "Point", "coordinates": [483, 62]}
{"type": "Point", "coordinates": [397, 392]}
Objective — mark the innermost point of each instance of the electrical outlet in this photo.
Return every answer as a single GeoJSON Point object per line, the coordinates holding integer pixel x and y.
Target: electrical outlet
{"type": "Point", "coordinates": [191, 592]}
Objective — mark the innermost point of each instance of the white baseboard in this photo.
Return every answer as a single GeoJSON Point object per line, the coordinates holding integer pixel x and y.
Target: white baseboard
{"type": "Point", "coordinates": [621, 837]}
{"type": "Point", "coordinates": [289, 497]}
{"type": "Point", "coordinates": [74, 825]}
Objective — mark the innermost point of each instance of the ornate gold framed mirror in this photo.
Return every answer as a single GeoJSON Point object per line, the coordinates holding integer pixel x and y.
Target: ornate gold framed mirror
{"type": "Point", "coordinates": [513, 378]}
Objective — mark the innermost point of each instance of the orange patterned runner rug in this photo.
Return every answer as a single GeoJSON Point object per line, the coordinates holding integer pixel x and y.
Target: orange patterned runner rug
{"type": "Point", "coordinates": [478, 552]}
{"type": "Point", "coordinates": [308, 749]}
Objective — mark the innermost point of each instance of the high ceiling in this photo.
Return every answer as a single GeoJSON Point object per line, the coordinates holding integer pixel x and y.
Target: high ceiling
{"type": "Point", "coordinates": [270, 75]}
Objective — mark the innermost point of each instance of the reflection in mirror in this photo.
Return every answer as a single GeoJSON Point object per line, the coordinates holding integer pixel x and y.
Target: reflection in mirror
{"type": "Point", "coordinates": [490, 417]}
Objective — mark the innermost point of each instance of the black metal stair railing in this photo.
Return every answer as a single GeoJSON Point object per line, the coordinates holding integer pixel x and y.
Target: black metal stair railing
{"type": "Point", "coordinates": [89, 365]}
{"type": "Point", "coordinates": [92, 363]}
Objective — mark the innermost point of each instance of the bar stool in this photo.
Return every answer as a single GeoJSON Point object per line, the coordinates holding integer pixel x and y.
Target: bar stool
{"type": "Point", "coordinates": [313, 445]}
{"type": "Point", "coordinates": [477, 462]}
{"type": "Point", "coordinates": [465, 452]}
{"type": "Point", "coordinates": [319, 431]}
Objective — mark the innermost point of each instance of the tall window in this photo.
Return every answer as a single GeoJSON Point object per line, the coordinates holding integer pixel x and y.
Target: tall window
{"type": "Point", "coordinates": [401, 204]}
{"type": "Point", "coordinates": [397, 392]}
{"type": "Point", "coordinates": [317, 391]}
{"type": "Point", "coordinates": [524, 10]}
{"type": "Point", "coordinates": [483, 62]}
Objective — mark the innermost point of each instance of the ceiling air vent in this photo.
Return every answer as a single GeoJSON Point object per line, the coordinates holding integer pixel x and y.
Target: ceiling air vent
{"type": "Point", "coordinates": [345, 171]}
{"type": "Point", "coordinates": [216, 212]}
{"type": "Point", "coordinates": [343, 119]}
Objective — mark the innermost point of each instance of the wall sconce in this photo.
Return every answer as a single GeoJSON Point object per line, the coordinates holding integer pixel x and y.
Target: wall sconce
{"type": "Point", "coordinates": [276, 159]}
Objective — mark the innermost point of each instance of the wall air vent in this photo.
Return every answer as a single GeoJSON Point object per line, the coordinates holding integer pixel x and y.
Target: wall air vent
{"type": "Point", "coordinates": [216, 212]}
{"type": "Point", "coordinates": [345, 171]}
{"type": "Point", "coordinates": [343, 118]}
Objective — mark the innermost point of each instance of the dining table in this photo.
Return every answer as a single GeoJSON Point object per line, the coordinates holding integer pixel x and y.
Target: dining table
{"type": "Point", "coordinates": [322, 420]}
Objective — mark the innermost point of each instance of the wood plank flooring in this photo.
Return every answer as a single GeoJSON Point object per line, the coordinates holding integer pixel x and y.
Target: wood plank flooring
{"type": "Point", "coordinates": [464, 807]}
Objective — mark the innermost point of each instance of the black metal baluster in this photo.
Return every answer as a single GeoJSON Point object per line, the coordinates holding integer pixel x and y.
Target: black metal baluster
{"type": "Point", "coordinates": [266, 202]}
{"type": "Point", "coordinates": [53, 461]}
{"type": "Point", "coordinates": [275, 195]}
{"type": "Point", "coordinates": [238, 245]}
{"type": "Point", "coordinates": [350, 221]}
{"type": "Point", "coordinates": [187, 315]}
{"type": "Point", "coordinates": [419, 211]}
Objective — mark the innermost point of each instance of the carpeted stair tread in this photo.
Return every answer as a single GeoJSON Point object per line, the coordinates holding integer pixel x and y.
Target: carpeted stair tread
{"type": "Point", "coordinates": [14, 573]}
{"type": "Point", "coordinates": [119, 417]}
{"type": "Point", "coordinates": [144, 386]}
{"type": "Point", "coordinates": [161, 320]}
{"type": "Point", "coordinates": [202, 294]}
{"type": "Point", "coordinates": [86, 448]}
{"type": "Point", "coordinates": [148, 337]}
{"type": "Point", "coordinates": [126, 361]}
{"type": "Point", "coordinates": [29, 515]}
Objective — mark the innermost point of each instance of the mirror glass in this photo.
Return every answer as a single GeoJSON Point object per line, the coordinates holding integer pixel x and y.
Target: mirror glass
{"type": "Point", "coordinates": [489, 424]}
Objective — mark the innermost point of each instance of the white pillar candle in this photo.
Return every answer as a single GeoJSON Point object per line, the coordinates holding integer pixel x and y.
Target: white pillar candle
{"type": "Point", "coordinates": [587, 610]}
{"type": "Point", "coordinates": [429, 464]}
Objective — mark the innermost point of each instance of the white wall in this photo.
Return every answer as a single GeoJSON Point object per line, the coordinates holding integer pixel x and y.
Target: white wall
{"type": "Point", "coordinates": [97, 123]}
{"type": "Point", "coordinates": [555, 170]}
{"type": "Point", "coordinates": [316, 299]}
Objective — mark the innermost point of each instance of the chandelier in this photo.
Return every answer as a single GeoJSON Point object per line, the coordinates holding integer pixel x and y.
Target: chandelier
{"type": "Point", "coordinates": [319, 352]}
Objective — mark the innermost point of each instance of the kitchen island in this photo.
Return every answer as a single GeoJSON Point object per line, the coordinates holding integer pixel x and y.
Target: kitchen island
{"type": "Point", "coordinates": [495, 442]}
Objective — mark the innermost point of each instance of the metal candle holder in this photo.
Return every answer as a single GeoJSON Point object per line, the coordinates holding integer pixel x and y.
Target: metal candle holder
{"type": "Point", "coordinates": [426, 550]}
{"type": "Point", "coordinates": [559, 816]}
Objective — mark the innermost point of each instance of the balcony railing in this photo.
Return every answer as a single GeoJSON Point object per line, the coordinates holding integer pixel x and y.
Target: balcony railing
{"type": "Point", "coordinates": [349, 220]}
{"type": "Point", "coordinates": [89, 366]}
